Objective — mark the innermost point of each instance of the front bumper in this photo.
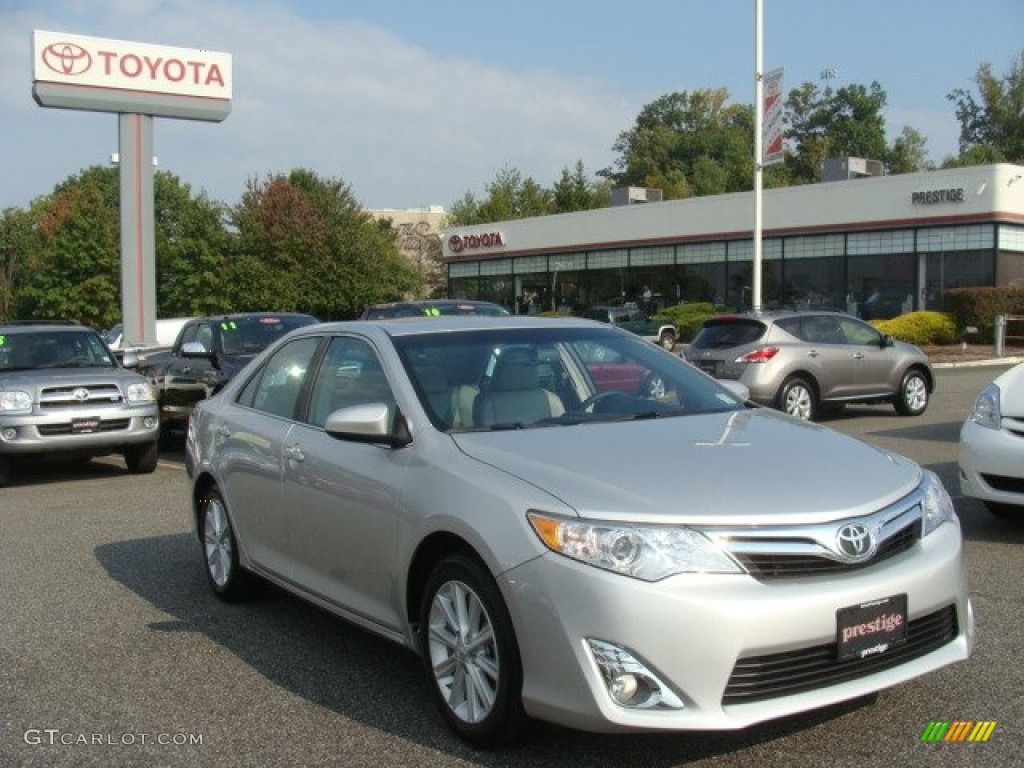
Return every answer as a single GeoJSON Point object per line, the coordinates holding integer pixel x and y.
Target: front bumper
{"type": "Point", "coordinates": [997, 453]}
{"type": "Point", "coordinates": [92, 431]}
{"type": "Point", "coordinates": [690, 630]}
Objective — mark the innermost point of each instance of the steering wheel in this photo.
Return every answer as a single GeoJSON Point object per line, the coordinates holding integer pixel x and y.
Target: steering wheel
{"type": "Point", "coordinates": [590, 405]}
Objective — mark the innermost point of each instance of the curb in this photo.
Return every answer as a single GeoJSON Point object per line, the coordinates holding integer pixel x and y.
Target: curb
{"type": "Point", "coordinates": [980, 363]}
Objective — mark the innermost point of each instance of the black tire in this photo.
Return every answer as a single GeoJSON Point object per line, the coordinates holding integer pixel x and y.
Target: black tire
{"type": "Point", "coordinates": [228, 580]}
{"type": "Point", "coordinates": [667, 339]}
{"type": "Point", "coordinates": [912, 399]}
{"type": "Point", "coordinates": [141, 459]}
{"type": "Point", "coordinates": [478, 693]}
{"type": "Point", "coordinates": [798, 398]}
{"type": "Point", "coordinates": [5, 471]}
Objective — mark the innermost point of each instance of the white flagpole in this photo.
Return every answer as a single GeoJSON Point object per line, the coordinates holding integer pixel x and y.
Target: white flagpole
{"type": "Point", "coordinates": [758, 153]}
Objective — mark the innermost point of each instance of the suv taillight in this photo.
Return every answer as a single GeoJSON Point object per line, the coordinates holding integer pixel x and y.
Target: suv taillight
{"type": "Point", "coordinates": [762, 355]}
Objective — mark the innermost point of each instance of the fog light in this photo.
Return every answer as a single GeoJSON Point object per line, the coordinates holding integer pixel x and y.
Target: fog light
{"type": "Point", "coordinates": [149, 422]}
{"type": "Point", "coordinates": [9, 433]}
{"type": "Point", "coordinates": [629, 683]}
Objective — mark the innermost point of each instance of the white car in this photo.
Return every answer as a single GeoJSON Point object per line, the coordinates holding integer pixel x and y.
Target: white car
{"type": "Point", "coordinates": [992, 446]}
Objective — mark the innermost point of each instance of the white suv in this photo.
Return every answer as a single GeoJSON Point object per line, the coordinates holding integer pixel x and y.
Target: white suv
{"type": "Point", "coordinates": [64, 396]}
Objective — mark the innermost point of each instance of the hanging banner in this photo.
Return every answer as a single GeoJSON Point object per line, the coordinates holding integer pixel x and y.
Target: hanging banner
{"type": "Point", "coordinates": [772, 146]}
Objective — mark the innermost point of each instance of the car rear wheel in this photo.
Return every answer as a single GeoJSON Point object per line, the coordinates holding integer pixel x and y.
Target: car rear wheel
{"type": "Point", "coordinates": [5, 471]}
{"type": "Point", "coordinates": [667, 339]}
{"type": "Point", "coordinates": [470, 653]}
{"type": "Point", "coordinates": [797, 398]}
{"type": "Point", "coordinates": [912, 398]}
{"type": "Point", "coordinates": [229, 581]}
{"type": "Point", "coordinates": [141, 459]}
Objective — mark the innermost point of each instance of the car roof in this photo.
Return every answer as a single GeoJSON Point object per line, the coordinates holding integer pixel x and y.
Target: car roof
{"type": "Point", "coordinates": [410, 326]}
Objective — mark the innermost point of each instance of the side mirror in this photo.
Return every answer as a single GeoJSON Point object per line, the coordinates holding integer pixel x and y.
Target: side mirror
{"type": "Point", "coordinates": [195, 349]}
{"type": "Point", "coordinates": [369, 423]}
{"type": "Point", "coordinates": [886, 341]}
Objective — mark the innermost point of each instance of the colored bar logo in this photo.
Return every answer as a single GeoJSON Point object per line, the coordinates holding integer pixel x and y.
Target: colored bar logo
{"type": "Point", "coordinates": [958, 730]}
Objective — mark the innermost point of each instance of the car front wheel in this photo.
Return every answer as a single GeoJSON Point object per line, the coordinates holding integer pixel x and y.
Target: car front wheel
{"type": "Point", "coordinates": [142, 459]}
{"type": "Point", "coordinates": [470, 653]}
{"type": "Point", "coordinates": [230, 582]}
{"type": "Point", "coordinates": [912, 398]}
{"type": "Point", "coordinates": [797, 398]}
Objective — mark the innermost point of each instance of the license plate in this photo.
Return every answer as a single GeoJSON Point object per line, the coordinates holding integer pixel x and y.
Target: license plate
{"type": "Point", "coordinates": [872, 628]}
{"type": "Point", "coordinates": [708, 366]}
{"type": "Point", "coordinates": [81, 426]}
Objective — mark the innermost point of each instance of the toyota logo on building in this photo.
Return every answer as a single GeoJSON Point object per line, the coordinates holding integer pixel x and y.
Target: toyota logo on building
{"type": "Point", "coordinates": [67, 58]}
{"type": "Point", "coordinates": [855, 542]}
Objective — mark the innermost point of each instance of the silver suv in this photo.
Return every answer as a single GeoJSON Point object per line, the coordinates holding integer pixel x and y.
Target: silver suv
{"type": "Point", "coordinates": [64, 396]}
{"type": "Point", "coordinates": [801, 362]}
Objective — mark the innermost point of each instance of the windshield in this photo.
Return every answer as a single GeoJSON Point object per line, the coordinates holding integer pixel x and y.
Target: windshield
{"type": "Point", "coordinates": [251, 335]}
{"type": "Point", "coordinates": [518, 377]}
{"type": "Point", "coordinates": [33, 350]}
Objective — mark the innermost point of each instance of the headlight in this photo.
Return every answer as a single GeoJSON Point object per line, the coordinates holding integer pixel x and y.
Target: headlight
{"type": "Point", "coordinates": [937, 506]}
{"type": "Point", "coordinates": [15, 401]}
{"type": "Point", "coordinates": [141, 392]}
{"type": "Point", "coordinates": [648, 553]}
{"type": "Point", "coordinates": [986, 408]}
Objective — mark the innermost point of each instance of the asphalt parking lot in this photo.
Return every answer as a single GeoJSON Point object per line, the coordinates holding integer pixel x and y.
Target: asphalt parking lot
{"type": "Point", "coordinates": [113, 652]}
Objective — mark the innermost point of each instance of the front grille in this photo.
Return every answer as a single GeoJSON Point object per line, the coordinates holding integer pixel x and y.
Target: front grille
{"type": "Point", "coordinates": [781, 565]}
{"type": "Point", "coordinates": [57, 398]}
{"type": "Point", "coordinates": [1004, 483]}
{"type": "Point", "coordinates": [108, 425]}
{"type": "Point", "coordinates": [782, 674]}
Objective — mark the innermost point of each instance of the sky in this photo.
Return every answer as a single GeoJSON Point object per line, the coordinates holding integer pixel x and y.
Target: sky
{"type": "Point", "coordinates": [414, 104]}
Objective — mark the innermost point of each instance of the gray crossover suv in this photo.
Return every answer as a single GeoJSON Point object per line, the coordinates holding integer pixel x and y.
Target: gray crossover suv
{"type": "Point", "coordinates": [64, 396]}
{"type": "Point", "coordinates": [801, 362]}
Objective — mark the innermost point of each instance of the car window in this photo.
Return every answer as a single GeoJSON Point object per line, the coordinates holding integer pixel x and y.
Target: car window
{"type": "Point", "coordinates": [276, 389]}
{"type": "Point", "coordinates": [856, 332]}
{"type": "Point", "coordinates": [726, 333]}
{"type": "Point", "coordinates": [349, 375]}
{"type": "Point", "coordinates": [53, 349]}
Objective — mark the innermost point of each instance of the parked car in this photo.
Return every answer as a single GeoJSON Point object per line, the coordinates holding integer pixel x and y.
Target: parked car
{"type": "Point", "coordinates": [635, 320]}
{"type": "Point", "coordinates": [432, 308]}
{"type": "Point", "coordinates": [607, 560]}
{"type": "Point", "coordinates": [206, 354]}
{"type": "Point", "coordinates": [992, 446]}
{"type": "Point", "coordinates": [803, 361]}
{"type": "Point", "coordinates": [64, 397]}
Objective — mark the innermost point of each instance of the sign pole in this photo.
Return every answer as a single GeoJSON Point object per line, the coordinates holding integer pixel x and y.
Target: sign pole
{"type": "Point", "coordinates": [138, 252]}
{"type": "Point", "coordinates": [758, 155]}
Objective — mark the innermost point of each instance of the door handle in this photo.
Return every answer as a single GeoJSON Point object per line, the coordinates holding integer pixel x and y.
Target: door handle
{"type": "Point", "coordinates": [858, 355]}
{"type": "Point", "coordinates": [294, 452]}
{"type": "Point", "coordinates": [812, 353]}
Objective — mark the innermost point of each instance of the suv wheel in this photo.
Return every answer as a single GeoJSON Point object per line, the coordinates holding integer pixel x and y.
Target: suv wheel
{"type": "Point", "coordinates": [667, 340]}
{"type": "Point", "coordinates": [5, 471]}
{"type": "Point", "coordinates": [797, 398]}
{"type": "Point", "coordinates": [141, 459]}
{"type": "Point", "coordinates": [912, 398]}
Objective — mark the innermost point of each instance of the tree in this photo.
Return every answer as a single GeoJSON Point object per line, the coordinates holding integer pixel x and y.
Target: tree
{"type": "Point", "coordinates": [191, 245]}
{"type": "Point", "coordinates": [908, 153]}
{"type": "Point", "coordinates": [992, 125]}
{"type": "Point", "coordinates": [687, 143]}
{"type": "Point", "coordinates": [574, 192]}
{"type": "Point", "coordinates": [18, 241]}
{"type": "Point", "coordinates": [826, 123]}
{"type": "Point", "coordinates": [75, 272]}
{"type": "Point", "coordinates": [305, 244]}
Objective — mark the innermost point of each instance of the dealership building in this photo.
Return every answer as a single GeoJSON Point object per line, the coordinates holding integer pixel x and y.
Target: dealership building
{"type": "Point", "coordinates": [906, 239]}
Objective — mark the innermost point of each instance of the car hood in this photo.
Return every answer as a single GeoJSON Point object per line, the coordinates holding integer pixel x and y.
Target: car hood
{"type": "Point", "coordinates": [730, 468]}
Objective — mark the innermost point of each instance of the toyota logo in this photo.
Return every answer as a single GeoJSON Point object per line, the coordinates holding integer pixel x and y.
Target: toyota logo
{"type": "Point", "coordinates": [855, 542]}
{"type": "Point", "coordinates": [81, 394]}
{"type": "Point", "coordinates": [455, 244]}
{"type": "Point", "coordinates": [67, 58]}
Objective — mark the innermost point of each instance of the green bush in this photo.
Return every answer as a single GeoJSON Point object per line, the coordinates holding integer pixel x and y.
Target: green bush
{"type": "Point", "coordinates": [688, 318]}
{"type": "Point", "coordinates": [921, 328]}
{"type": "Point", "coordinates": [978, 307]}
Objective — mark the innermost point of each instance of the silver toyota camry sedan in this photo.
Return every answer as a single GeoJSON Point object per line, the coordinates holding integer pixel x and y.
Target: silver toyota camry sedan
{"type": "Point", "coordinates": [568, 523]}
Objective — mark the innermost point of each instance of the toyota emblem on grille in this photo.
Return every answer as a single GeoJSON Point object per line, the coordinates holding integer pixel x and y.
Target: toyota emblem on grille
{"type": "Point", "coordinates": [81, 394]}
{"type": "Point", "coordinates": [855, 542]}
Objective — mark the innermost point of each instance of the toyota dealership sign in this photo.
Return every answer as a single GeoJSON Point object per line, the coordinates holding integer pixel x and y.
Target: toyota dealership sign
{"type": "Point", "coordinates": [93, 73]}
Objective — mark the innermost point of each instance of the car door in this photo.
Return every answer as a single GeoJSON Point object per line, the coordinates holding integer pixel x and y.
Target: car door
{"type": "Point", "coordinates": [344, 497]}
{"type": "Point", "coordinates": [253, 432]}
{"type": "Point", "coordinates": [875, 362]}
{"type": "Point", "coordinates": [824, 352]}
